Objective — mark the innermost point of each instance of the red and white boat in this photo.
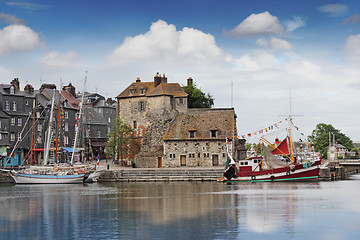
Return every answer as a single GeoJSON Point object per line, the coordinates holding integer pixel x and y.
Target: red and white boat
{"type": "Point", "coordinates": [278, 164]}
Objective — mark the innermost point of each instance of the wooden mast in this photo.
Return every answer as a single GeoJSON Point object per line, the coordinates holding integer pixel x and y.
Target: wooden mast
{"type": "Point", "coordinates": [33, 133]}
{"type": "Point", "coordinates": [57, 125]}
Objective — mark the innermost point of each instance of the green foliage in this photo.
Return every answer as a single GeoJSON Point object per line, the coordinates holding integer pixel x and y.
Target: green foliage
{"type": "Point", "coordinates": [198, 99]}
{"type": "Point", "coordinates": [120, 138]}
{"type": "Point", "coordinates": [320, 138]}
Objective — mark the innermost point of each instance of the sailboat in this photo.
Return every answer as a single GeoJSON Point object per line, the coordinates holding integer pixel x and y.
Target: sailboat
{"type": "Point", "coordinates": [279, 163]}
{"type": "Point", "coordinates": [49, 174]}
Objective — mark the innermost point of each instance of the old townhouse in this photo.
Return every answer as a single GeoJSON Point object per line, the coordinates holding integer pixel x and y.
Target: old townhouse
{"type": "Point", "coordinates": [17, 105]}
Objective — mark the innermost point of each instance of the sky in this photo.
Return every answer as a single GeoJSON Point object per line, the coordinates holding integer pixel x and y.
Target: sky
{"type": "Point", "coordinates": [266, 59]}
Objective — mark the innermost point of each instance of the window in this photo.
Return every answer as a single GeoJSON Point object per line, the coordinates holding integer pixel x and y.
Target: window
{"type": "Point", "coordinates": [7, 106]}
{"type": "Point", "coordinates": [38, 114]}
{"type": "Point", "coordinates": [39, 127]}
{"type": "Point", "coordinates": [13, 121]}
{"type": "Point", "coordinates": [0, 136]}
{"type": "Point", "coordinates": [142, 91]}
{"type": "Point", "coordinates": [132, 91]}
{"type": "Point", "coordinates": [26, 102]}
{"type": "Point", "coordinates": [19, 121]}
{"type": "Point", "coordinates": [100, 110]}
{"type": "Point", "coordinates": [213, 133]}
{"type": "Point", "coordinates": [12, 90]}
{"type": "Point", "coordinates": [98, 134]}
{"type": "Point", "coordinates": [14, 106]}
{"type": "Point", "coordinates": [191, 134]}
{"type": "Point", "coordinates": [134, 124]}
{"type": "Point", "coordinates": [181, 101]}
{"type": "Point", "coordinates": [66, 127]}
{"type": "Point", "coordinates": [66, 139]}
{"type": "Point", "coordinates": [109, 120]}
{"type": "Point", "coordinates": [141, 106]}
{"type": "Point", "coordinates": [12, 137]}
{"type": "Point", "coordinates": [66, 115]}
{"type": "Point", "coordinates": [19, 136]}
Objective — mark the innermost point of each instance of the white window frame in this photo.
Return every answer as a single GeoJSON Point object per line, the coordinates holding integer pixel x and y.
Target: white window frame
{"type": "Point", "coordinates": [66, 115]}
{"type": "Point", "coordinates": [12, 137]}
{"type": "Point", "coordinates": [13, 120]}
{"type": "Point", "coordinates": [7, 105]}
{"type": "Point", "coordinates": [19, 122]}
{"type": "Point", "coordinates": [98, 134]}
{"type": "Point", "coordinates": [14, 106]}
{"type": "Point", "coordinates": [66, 127]}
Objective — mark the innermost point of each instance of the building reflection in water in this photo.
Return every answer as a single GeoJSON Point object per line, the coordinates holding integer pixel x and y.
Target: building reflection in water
{"type": "Point", "coordinates": [183, 210]}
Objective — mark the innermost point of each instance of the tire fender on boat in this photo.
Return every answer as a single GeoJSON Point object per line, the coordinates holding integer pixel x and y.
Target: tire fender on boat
{"type": "Point", "coordinates": [253, 177]}
{"type": "Point", "coordinates": [288, 173]}
{"type": "Point", "coordinates": [272, 178]}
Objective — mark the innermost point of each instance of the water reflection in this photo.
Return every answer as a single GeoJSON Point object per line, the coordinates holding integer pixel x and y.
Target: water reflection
{"type": "Point", "coordinates": [184, 210]}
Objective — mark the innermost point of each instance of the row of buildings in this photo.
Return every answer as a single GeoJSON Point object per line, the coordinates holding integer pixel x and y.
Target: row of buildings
{"type": "Point", "coordinates": [168, 132]}
{"type": "Point", "coordinates": [25, 117]}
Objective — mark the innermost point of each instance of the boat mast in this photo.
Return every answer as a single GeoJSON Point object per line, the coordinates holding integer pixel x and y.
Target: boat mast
{"type": "Point", "coordinates": [49, 135]}
{"type": "Point", "coordinates": [33, 133]}
{"type": "Point", "coordinates": [77, 126]}
{"type": "Point", "coordinates": [57, 124]}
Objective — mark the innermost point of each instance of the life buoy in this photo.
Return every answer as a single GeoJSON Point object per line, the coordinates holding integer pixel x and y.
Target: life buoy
{"type": "Point", "coordinates": [293, 169]}
{"type": "Point", "coordinates": [272, 178]}
{"type": "Point", "coordinates": [288, 173]}
{"type": "Point", "coordinates": [80, 171]}
{"type": "Point", "coordinates": [253, 177]}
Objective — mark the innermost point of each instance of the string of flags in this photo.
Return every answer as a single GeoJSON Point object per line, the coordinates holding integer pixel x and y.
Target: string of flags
{"type": "Point", "coordinates": [263, 130]}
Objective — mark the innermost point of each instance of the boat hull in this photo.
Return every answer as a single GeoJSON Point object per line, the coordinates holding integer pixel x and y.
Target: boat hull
{"type": "Point", "coordinates": [21, 178]}
{"type": "Point", "coordinates": [301, 172]}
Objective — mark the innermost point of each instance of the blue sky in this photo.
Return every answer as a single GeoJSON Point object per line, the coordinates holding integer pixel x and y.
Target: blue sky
{"type": "Point", "coordinates": [263, 47]}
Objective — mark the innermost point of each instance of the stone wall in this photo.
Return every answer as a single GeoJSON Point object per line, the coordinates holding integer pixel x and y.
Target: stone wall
{"type": "Point", "coordinates": [152, 143]}
{"type": "Point", "coordinates": [193, 153]}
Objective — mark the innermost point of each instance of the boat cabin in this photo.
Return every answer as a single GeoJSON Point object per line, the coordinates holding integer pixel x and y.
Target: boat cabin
{"type": "Point", "coordinates": [250, 164]}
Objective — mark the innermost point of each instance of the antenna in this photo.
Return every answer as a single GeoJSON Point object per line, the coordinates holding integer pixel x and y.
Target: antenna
{"type": "Point", "coordinates": [232, 86]}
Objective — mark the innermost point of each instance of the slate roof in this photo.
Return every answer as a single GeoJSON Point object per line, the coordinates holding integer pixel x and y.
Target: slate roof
{"type": "Point", "coordinates": [202, 121]}
{"type": "Point", "coordinates": [134, 90]}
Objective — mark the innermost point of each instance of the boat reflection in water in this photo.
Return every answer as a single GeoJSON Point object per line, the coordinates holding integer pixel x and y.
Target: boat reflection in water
{"type": "Point", "coordinates": [182, 210]}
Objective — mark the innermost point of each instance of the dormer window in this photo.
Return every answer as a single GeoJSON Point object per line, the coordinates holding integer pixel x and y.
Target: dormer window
{"type": "Point", "coordinates": [213, 133]}
{"type": "Point", "coordinates": [181, 101]}
{"type": "Point", "coordinates": [12, 90]}
{"type": "Point", "coordinates": [142, 91]}
{"type": "Point", "coordinates": [191, 134]}
{"type": "Point", "coordinates": [132, 92]}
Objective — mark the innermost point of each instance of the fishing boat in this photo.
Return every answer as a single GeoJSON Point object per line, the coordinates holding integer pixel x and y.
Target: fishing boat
{"type": "Point", "coordinates": [275, 163]}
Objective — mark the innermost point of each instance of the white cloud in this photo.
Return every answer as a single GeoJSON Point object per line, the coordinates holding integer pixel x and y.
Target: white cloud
{"type": "Point", "coordinates": [10, 19]}
{"type": "Point", "coordinates": [257, 24]}
{"type": "Point", "coordinates": [352, 48]}
{"type": "Point", "coordinates": [294, 24]}
{"type": "Point", "coordinates": [334, 10]}
{"type": "Point", "coordinates": [59, 60]}
{"type": "Point", "coordinates": [353, 19]}
{"type": "Point", "coordinates": [274, 44]}
{"type": "Point", "coordinates": [27, 5]}
{"type": "Point", "coordinates": [164, 44]}
{"type": "Point", "coordinates": [18, 38]}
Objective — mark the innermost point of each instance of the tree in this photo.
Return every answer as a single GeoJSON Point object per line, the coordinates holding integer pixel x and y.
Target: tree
{"type": "Point", "coordinates": [121, 137]}
{"type": "Point", "coordinates": [320, 138]}
{"type": "Point", "coordinates": [198, 99]}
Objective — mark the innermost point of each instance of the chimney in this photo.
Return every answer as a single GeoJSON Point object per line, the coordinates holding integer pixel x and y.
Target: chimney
{"type": "Point", "coordinates": [47, 86]}
{"type": "Point", "coordinates": [28, 88]}
{"type": "Point", "coordinates": [164, 79]}
{"type": "Point", "coordinates": [157, 79]}
{"type": "Point", "coordinates": [16, 83]}
{"type": "Point", "coordinates": [138, 80]}
{"type": "Point", "coordinates": [189, 82]}
{"type": "Point", "coordinates": [109, 101]}
{"type": "Point", "coordinates": [70, 89]}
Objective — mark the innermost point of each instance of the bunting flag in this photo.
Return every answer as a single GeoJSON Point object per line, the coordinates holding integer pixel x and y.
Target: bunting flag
{"type": "Point", "coordinates": [267, 129]}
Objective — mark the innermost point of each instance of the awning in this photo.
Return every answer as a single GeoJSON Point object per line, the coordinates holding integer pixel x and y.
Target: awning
{"type": "Point", "coordinates": [68, 149]}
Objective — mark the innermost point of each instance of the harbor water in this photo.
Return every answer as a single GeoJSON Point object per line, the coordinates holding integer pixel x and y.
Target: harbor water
{"type": "Point", "coordinates": [182, 210]}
